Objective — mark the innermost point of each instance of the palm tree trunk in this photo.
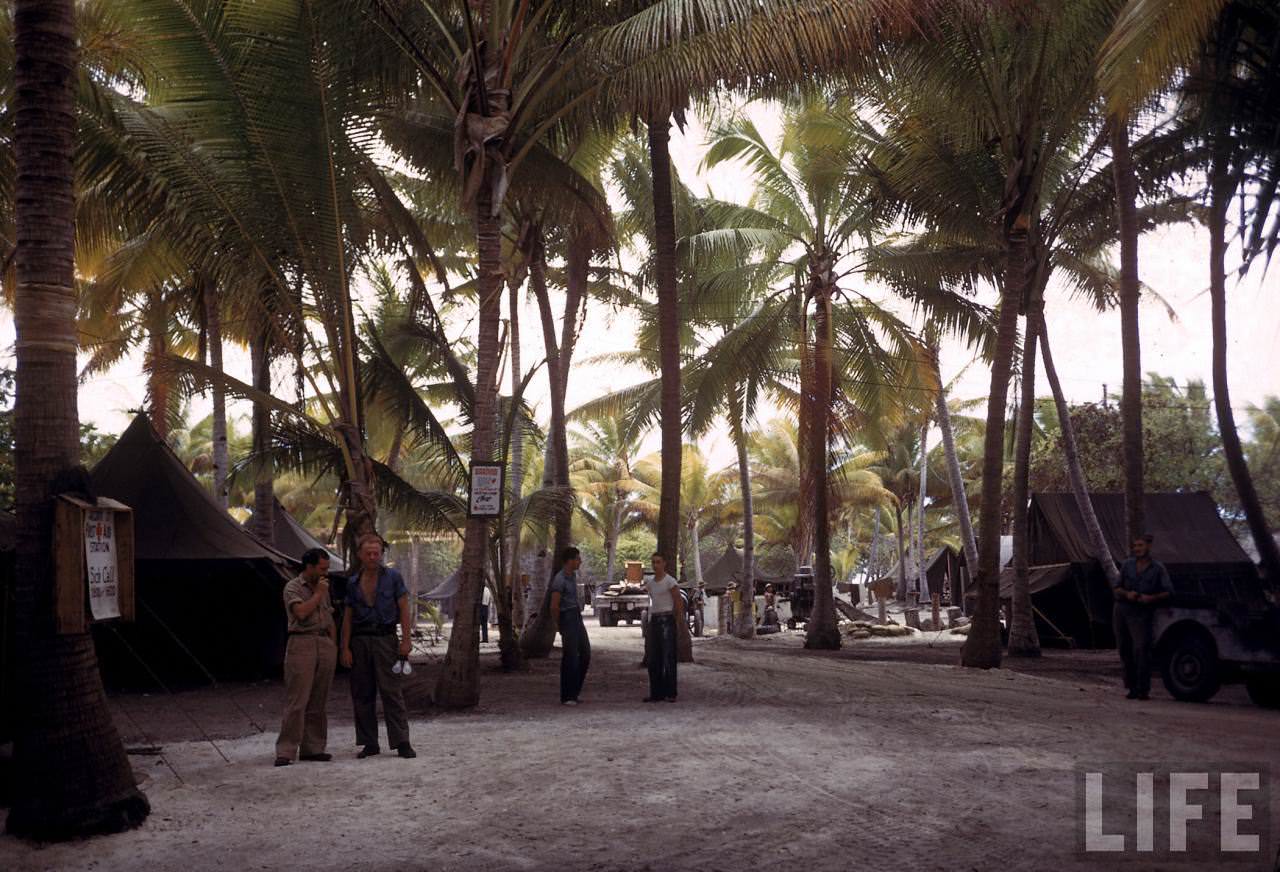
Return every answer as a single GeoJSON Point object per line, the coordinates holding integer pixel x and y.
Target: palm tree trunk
{"type": "Point", "coordinates": [902, 558]}
{"type": "Point", "coordinates": [515, 487]}
{"type": "Point", "coordinates": [668, 334]}
{"type": "Point", "coordinates": [158, 382]}
{"type": "Point", "coordinates": [459, 683]}
{"type": "Point", "coordinates": [1130, 290]}
{"type": "Point", "coordinates": [1075, 471]}
{"type": "Point", "coordinates": [745, 618]}
{"type": "Point", "coordinates": [1023, 639]}
{"type": "Point", "coordinates": [263, 522]}
{"type": "Point", "coordinates": [71, 775]}
{"type": "Point", "coordinates": [822, 631]}
{"type": "Point", "coordinates": [540, 630]}
{"type": "Point", "coordinates": [873, 558]}
{"type": "Point", "coordinates": [696, 543]}
{"type": "Point", "coordinates": [213, 342]}
{"type": "Point", "coordinates": [982, 646]}
{"type": "Point", "coordinates": [923, 581]}
{"type": "Point", "coordinates": [1223, 188]}
{"type": "Point", "coordinates": [958, 495]}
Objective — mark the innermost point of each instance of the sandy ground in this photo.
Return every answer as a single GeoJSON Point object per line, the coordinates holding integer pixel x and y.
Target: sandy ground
{"type": "Point", "coordinates": [876, 756]}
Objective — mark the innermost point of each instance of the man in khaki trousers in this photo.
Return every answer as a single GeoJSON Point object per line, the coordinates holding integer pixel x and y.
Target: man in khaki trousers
{"type": "Point", "coordinates": [309, 662]}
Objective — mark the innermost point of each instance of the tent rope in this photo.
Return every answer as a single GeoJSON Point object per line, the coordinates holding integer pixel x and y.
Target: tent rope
{"type": "Point", "coordinates": [196, 660]}
{"type": "Point", "coordinates": [156, 679]}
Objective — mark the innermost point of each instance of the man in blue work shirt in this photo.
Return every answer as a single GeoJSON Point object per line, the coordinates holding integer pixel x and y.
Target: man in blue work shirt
{"type": "Point", "coordinates": [377, 600]}
{"type": "Point", "coordinates": [573, 633]}
{"type": "Point", "coordinates": [1144, 584]}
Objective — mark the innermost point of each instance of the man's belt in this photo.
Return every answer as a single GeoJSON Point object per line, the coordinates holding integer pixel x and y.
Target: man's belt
{"type": "Point", "coordinates": [324, 633]}
{"type": "Point", "coordinates": [374, 630]}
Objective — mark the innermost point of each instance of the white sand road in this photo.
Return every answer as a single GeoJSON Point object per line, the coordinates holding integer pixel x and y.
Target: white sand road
{"type": "Point", "coordinates": [773, 758]}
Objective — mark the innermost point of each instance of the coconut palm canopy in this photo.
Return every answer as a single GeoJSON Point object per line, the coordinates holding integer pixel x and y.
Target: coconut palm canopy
{"type": "Point", "coordinates": [415, 221]}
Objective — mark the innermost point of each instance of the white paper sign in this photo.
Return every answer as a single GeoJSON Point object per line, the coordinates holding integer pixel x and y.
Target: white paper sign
{"type": "Point", "coordinates": [486, 491]}
{"type": "Point", "coordinates": [100, 560]}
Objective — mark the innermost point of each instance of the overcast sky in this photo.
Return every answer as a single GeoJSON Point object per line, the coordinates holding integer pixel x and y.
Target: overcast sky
{"type": "Point", "coordinates": [1086, 344]}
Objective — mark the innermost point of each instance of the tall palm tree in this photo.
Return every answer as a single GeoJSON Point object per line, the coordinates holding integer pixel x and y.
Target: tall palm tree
{"type": "Point", "coordinates": [1223, 56]}
{"type": "Point", "coordinates": [72, 775]}
{"type": "Point", "coordinates": [810, 218]}
{"type": "Point", "coordinates": [1025, 121]}
{"type": "Point", "coordinates": [604, 452]}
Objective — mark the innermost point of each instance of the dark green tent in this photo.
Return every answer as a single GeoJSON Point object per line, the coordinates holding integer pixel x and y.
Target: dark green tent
{"type": "Point", "coordinates": [208, 593]}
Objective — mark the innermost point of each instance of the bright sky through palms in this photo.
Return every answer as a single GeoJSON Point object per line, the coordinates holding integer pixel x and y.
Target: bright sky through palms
{"type": "Point", "coordinates": [1087, 344]}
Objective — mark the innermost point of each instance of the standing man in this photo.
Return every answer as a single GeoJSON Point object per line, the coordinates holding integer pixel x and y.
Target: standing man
{"type": "Point", "coordinates": [486, 602]}
{"type": "Point", "coordinates": [573, 633]}
{"type": "Point", "coordinates": [376, 599]}
{"type": "Point", "coordinates": [309, 661]}
{"type": "Point", "coordinates": [1144, 583]}
{"type": "Point", "coordinates": [665, 608]}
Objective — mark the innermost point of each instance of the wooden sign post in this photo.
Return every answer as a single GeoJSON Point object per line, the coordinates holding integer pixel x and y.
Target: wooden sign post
{"type": "Point", "coordinates": [93, 549]}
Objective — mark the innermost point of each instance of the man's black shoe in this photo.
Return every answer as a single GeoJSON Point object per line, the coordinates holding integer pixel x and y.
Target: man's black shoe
{"type": "Point", "coordinates": [283, 761]}
{"type": "Point", "coordinates": [406, 751]}
{"type": "Point", "coordinates": [368, 751]}
{"type": "Point", "coordinates": [316, 758]}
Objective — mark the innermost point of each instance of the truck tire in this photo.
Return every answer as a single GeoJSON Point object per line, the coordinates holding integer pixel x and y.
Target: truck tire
{"type": "Point", "coordinates": [1190, 671]}
{"type": "Point", "coordinates": [1264, 689]}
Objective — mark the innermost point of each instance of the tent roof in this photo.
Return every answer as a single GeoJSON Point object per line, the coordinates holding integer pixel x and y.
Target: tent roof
{"type": "Point", "coordinates": [1186, 527]}
{"type": "Point", "coordinates": [175, 518]}
{"type": "Point", "coordinates": [292, 538]}
{"type": "Point", "coordinates": [1040, 578]}
{"type": "Point", "coordinates": [445, 589]}
{"type": "Point", "coordinates": [728, 568]}
{"type": "Point", "coordinates": [941, 556]}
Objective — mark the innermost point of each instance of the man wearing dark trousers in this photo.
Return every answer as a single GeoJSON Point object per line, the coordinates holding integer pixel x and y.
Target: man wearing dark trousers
{"type": "Point", "coordinates": [376, 600]}
{"type": "Point", "coordinates": [486, 601]}
{"type": "Point", "coordinates": [1144, 584]}
{"type": "Point", "coordinates": [665, 608]}
{"type": "Point", "coordinates": [308, 662]}
{"type": "Point", "coordinates": [573, 633]}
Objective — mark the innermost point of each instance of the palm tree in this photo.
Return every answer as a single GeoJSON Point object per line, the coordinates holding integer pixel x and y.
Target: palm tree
{"type": "Point", "coordinates": [602, 467]}
{"type": "Point", "coordinates": [72, 775]}
{"type": "Point", "coordinates": [1023, 128]}
{"type": "Point", "coordinates": [808, 217]}
{"type": "Point", "coordinates": [1224, 55]}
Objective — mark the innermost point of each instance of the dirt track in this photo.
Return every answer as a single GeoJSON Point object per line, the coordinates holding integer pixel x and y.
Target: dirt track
{"type": "Point", "coordinates": [772, 757]}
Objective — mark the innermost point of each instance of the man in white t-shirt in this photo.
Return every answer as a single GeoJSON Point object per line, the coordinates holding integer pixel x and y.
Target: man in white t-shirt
{"type": "Point", "coordinates": [665, 608]}
{"type": "Point", "coordinates": [486, 607]}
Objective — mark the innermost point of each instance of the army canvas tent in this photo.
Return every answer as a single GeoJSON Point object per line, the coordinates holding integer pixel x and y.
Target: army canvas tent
{"type": "Point", "coordinates": [444, 594]}
{"type": "Point", "coordinates": [208, 593]}
{"type": "Point", "coordinates": [1068, 588]}
{"type": "Point", "coordinates": [728, 568]}
{"type": "Point", "coordinates": [292, 539]}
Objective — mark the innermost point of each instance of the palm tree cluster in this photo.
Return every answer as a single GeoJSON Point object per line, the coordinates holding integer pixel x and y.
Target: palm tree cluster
{"type": "Point", "coordinates": [353, 190]}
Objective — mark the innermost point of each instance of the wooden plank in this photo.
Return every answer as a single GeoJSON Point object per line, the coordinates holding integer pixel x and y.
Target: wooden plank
{"type": "Point", "coordinates": [70, 586]}
{"type": "Point", "coordinates": [125, 588]}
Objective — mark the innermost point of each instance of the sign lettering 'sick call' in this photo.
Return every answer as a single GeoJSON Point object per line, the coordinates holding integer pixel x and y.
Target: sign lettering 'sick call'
{"type": "Point", "coordinates": [100, 563]}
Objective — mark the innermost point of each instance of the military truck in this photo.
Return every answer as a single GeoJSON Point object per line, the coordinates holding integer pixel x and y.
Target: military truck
{"type": "Point", "coordinates": [625, 600]}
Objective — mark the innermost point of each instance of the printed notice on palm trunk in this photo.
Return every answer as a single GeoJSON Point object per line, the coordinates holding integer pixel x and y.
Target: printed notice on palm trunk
{"type": "Point", "coordinates": [100, 561]}
{"type": "Point", "coordinates": [486, 490]}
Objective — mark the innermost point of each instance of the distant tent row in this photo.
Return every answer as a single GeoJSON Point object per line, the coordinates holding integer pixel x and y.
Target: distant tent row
{"type": "Point", "coordinates": [208, 592]}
